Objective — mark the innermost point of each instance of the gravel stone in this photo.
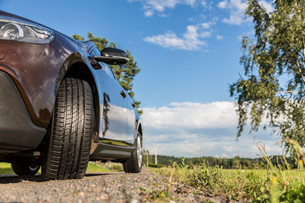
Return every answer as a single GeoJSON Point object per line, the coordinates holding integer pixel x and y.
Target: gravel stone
{"type": "Point", "coordinates": [100, 187]}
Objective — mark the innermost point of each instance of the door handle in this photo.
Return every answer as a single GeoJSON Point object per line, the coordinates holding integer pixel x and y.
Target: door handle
{"type": "Point", "coordinates": [123, 94]}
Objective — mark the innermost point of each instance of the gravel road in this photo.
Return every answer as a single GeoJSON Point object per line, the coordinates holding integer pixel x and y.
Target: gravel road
{"type": "Point", "coordinates": [99, 187]}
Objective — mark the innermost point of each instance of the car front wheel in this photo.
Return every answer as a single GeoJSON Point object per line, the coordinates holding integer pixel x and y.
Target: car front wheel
{"type": "Point", "coordinates": [71, 132]}
{"type": "Point", "coordinates": [135, 162]}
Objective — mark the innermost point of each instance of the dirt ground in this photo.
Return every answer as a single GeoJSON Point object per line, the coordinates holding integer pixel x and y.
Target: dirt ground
{"type": "Point", "coordinates": [100, 187]}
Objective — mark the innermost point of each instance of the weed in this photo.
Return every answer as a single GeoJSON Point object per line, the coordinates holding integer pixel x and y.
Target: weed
{"type": "Point", "coordinates": [277, 183]}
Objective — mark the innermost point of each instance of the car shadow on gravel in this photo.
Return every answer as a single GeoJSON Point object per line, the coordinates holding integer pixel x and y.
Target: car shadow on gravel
{"type": "Point", "coordinates": [4, 179]}
{"type": "Point", "coordinates": [102, 174]}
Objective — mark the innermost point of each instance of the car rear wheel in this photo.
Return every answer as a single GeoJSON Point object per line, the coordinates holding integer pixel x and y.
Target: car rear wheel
{"type": "Point", "coordinates": [71, 132]}
{"type": "Point", "coordinates": [24, 168]}
{"type": "Point", "coordinates": [135, 162]}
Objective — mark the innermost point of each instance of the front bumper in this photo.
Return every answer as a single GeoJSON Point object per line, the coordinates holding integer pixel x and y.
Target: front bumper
{"type": "Point", "coordinates": [17, 131]}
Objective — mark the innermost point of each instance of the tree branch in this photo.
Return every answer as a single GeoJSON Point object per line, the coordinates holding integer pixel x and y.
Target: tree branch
{"type": "Point", "coordinates": [291, 92]}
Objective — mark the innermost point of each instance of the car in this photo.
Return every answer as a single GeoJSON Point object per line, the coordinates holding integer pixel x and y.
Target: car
{"type": "Point", "coordinates": [61, 105]}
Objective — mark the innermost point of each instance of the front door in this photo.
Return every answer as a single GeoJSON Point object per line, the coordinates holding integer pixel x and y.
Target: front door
{"type": "Point", "coordinates": [114, 109]}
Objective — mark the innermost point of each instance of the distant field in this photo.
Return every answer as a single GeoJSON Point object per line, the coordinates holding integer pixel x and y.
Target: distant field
{"type": "Point", "coordinates": [292, 174]}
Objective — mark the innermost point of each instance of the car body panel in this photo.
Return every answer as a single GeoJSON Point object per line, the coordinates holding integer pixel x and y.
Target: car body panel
{"type": "Point", "coordinates": [114, 127]}
{"type": "Point", "coordinates": [24, 64]}
{"type": "Point", "coordinates": [37, 71]}
{"type": "Point", "coordinates": [17, 132]}
{"type": "Point", "coordinates": [113, 124]}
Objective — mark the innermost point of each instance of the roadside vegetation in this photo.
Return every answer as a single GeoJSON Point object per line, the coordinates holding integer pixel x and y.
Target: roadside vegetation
{"type": "Point", "coordinates": [276, 183]}
{"type": "Point", "coordinates": [240, 184]}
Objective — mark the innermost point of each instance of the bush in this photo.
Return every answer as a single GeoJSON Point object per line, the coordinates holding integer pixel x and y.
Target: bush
{"type": "Point", "coordinates": [156, 165]}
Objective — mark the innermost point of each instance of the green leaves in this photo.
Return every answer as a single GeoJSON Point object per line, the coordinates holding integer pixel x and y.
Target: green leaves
{"type": "Point", "coordinates": [272, 86]}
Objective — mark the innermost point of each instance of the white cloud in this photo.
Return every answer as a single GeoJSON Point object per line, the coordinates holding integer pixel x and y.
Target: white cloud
{"type": "Point", "coordinates": [206, 25]}
{"type": "Point", "coordinates": [219, 37]}
{"type": "Point", "coordinates": [223, 4]}
{"type": "Point", "coordinates": [200, 129]}
{"type": "Point", "coordinates": [192, 115]}
{"type": "Point", "coordinates": [237, 10]}
{"type": "Point", "coordinates": [223, 155]}
{"type": "Point", "coordinates": [148, 13]}
{"type": "Point", "coordinates": [269, 8]}
{"type": "Point", "coordinates": [205, 34]}
{"type": "Point", "coordinates": [170, 40]}
{"type": "Point", "coordinates": [190, 2]}
{"type": "Point", "coordinates": [191, 40]}
{"type": "Point", "coordinates": [159, 6]}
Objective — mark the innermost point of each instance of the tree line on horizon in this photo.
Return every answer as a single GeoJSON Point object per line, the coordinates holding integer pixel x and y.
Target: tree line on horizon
{"type": "Point", "coordinates": [227, 163]}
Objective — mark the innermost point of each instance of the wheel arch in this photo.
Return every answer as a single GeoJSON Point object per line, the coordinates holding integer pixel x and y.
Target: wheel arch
{"type": "Point", "coordinates": [75, 66]}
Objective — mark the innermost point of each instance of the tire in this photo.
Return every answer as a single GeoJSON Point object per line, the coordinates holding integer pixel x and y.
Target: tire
{"type": "Point", "coordinates": [135, 162]}
{"type": "Point", "coordinates": [23, 168]}
{"type": "Point", "coordinates": [71, 132]}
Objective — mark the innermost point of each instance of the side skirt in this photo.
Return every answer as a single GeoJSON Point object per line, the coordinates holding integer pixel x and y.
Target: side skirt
{"type": "Point", "coordinates": [111, 152]}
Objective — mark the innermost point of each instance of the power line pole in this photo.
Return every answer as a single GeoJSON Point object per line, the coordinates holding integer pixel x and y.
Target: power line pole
{"type": "Point", "coordinates": [156, 159]}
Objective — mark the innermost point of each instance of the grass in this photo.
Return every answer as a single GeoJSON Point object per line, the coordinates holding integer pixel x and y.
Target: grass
{"type": "Point", "coordinates": [240, 184]}
{"type": "Point", "coordinates": [104, 167]}
{"type": "Point", "coordinates": [5, 169]}
{"type": "Point", "coordinates": [275, 184]}
{"type": "Point", "coordinates": [93, 167]}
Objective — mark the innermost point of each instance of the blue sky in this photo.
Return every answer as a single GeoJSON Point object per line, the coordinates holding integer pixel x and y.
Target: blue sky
{"type": "Point", "coordinates": [188, 52]}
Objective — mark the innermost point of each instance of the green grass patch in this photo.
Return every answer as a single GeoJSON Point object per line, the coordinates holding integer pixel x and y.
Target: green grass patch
{"type": "Point", "coordinates": [5, 169]}
{"type": "Point", "coordinates": [96, 168]}
{"type": "Point", "coordinates": [93, 167]}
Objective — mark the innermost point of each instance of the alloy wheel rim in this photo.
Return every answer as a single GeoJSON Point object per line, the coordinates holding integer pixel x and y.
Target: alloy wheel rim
{"type": "Point", "coordinates": [33, 167]}
{"type": "Point", "coordinates": [139, 152]}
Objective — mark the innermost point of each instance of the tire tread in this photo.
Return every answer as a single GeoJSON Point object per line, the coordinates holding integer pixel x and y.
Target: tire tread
{"type": "Point", "coordinates": [72, 129]}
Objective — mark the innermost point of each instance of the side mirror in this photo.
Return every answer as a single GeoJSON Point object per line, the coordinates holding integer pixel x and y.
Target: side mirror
{"type": "Point", "coordinates": [112, 56]}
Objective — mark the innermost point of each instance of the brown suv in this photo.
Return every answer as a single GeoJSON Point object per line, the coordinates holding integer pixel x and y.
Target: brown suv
{"type": "Point", "coordinates": [60, 103]}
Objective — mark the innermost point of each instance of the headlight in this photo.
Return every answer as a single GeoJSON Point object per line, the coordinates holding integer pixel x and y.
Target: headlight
{"type": "Point", "coordinates": [24, 32]}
